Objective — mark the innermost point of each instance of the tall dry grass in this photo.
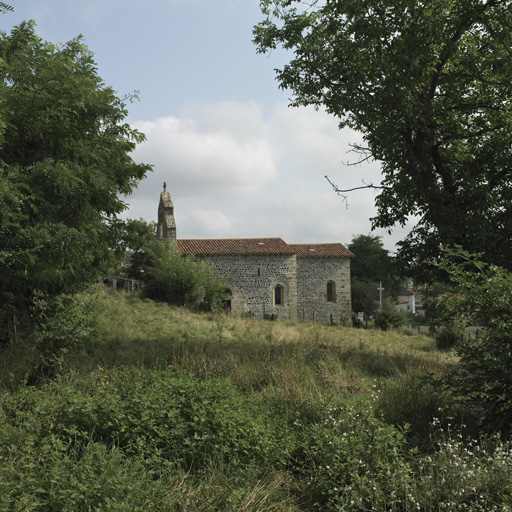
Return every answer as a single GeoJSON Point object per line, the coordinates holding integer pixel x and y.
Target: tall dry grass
{"type": "Point", "coordinates": [361, 427]}
{"type": "Point", "coordinates": [291, 360]}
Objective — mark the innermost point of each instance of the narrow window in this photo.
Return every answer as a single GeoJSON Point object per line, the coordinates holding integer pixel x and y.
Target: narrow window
{"type": "Point", "coordinates": [278, 295]}
{"type": "Point", "coordinates": [226, 303]}
{"type": "Point", "coordinates": [259, 272]}
{"type": "Point", "coordinates": [331, 292]}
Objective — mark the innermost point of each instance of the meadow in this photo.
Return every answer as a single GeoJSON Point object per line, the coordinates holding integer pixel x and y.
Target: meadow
{"type": "Point", "coordinates": [158, 408]}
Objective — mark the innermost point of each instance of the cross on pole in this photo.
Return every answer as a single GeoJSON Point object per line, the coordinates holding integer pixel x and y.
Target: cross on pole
{"type": "Point", "coordinates": [380, 293]}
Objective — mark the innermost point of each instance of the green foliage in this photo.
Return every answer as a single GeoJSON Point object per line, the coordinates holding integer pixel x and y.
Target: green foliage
{"type": "Point", "coordinates": [452, 332]}
{"type": "Point", "coordinates": [463, 475]}
{"type": "Point", "coordinates": [482, 293]}
{"type": "Point", "coordinates": [365, 296]}
{"type": "Point", "coordinates": [356, 322]}
{"type": "Point", "coordinates": [64, 160]}
{"type": "Point", "coordinates": [165, 412]}
{"type": "Point", "coordinates": [67, 478]}
{"type": "Point", "coordinates": [351, 460]}
{"type": "Point", "coordinates": [60, 326]}
{"type": "Point", "coordinates": [372, 261]}
{"type": "Point", "coordinates": [412, 401]}
{"type": "Point", "coordinates": [170, 277]}
{"type": "Point", "coordinates": [388, 316]}
{"type": "Point", "coordinates": [371, 266]}
{"type": "Point", "coordinates": [278, 417]}
{"type": "Point", "coordinates": [131, 443]}
{"type": "Point", "coordinates": [428, 84]}
{"type": "Point", "coordinates": [137, 237]}
{"type": "Point", "coordinates": [5, 7]}
{"type": "Point", "coordinates": [59, 445]}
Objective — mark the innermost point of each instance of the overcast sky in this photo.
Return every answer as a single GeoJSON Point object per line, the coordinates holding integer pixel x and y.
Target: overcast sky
{"type": "Point", "coordinates": [237, 160]}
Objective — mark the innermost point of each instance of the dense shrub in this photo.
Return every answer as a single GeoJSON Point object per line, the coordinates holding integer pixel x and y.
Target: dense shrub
{"type": "Point", "coordinates": [463, 475]}
{"type": "Point", "coordinates": [173, 278]}
{"type": "Point", "coordinates": [482, 294]}
{"type": "Point", "coordinates": [134, 438]}
{"type": "Point", "coordinates": [51, 329]}
{"type": "Point", "coordinates": [351, 460]}
{"type": "Point", "coordinates": [306, 434]}
{"type": "Point", "coordinates": [144, 412]}
{"type": "Point", "coordinates": [115, 446]}
{"type": "Point", "coordinates": [86, 476]}
{"type": "Point", "coordinates": [452, 332]}
{"type": "Point", "coordinates": [388, 316]}
{"type": "Point", "coordinates": [409, 400]}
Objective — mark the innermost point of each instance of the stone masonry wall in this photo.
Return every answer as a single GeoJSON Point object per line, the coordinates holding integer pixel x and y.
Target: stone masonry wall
{"type": "Point", "coordinates": [313, 274]}
{"type": "Point", "coordinates": [252, 279]}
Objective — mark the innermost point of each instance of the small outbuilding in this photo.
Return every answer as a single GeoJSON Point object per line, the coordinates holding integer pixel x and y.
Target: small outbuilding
{"type": "Point", "coordinates": [407, 302]}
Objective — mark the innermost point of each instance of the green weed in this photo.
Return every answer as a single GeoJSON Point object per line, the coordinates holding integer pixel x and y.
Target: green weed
{"type": "Point", "coordinates": [162, 409]}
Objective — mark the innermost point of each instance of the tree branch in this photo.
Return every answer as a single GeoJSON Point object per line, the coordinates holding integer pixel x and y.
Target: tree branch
{"type": "Point", "coordinates": [342, 192]}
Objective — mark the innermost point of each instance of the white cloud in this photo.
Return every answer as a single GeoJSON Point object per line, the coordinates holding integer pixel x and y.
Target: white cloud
{"type": "Point", "coordinates": [236, 170]}
{"type": "Point", "coordinates": [198, 159]}
{"type": "Point", "coordinates": [245, 119]}
{"type": "Point", "coordinates": [312, 133]}
{"type": "Point", "coordinates": [206, 224]}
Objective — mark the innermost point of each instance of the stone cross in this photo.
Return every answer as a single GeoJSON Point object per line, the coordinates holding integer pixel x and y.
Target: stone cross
{"type": "Point", "coordinates": [380, 292]}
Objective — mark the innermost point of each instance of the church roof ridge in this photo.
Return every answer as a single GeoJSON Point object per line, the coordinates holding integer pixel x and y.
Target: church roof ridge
{"type": "Point", "coordinates": [217, 246]}
{"type": "Point", "coordinates": [321, 250]}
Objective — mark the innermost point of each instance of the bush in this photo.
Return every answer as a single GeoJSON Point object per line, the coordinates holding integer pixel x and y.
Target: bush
{"type": "Point", "coordinates": [351, 460]}
{"type": "Point", "coordinates": [163, 440]}
{"type": "Point", "coordinates": [139, 440]}
{"type": "Point", "coordinates": [145, 412]}
{"type": "Point", "coordinates": [388, 316]}
{"type": "Point", "coordinates": [464, 475]}
{"type": "Point", "coordinates": [451, 333]}
{"type": "Point", "coordinates": [173, 278]}
{"type": "Point", "coordinates": [482, 294]}
{"type": "Point", "coordinates": [49, 331]}
{"type": "Point", "coordinates": [356, 322]}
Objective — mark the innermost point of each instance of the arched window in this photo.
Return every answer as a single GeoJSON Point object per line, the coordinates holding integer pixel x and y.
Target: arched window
{"type": "Point", "coordinates": [278, 295]}
{"type": "Point", "coordinates": [331, 291]}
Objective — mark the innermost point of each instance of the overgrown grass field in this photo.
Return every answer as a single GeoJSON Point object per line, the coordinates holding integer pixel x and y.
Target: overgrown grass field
{"type": "Point", "coordinates": [162, 409]}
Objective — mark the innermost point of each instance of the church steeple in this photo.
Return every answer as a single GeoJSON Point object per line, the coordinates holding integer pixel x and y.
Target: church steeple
{"type": "Point", "coordinates": [166, 228]}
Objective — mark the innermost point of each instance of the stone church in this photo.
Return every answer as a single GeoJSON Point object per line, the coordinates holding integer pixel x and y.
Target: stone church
{"type": "Point", "coordinates": [267, 276]}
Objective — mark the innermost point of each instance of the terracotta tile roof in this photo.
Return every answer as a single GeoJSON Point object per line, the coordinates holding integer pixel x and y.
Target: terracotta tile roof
{"type": "Point", "coordinates": [320, 250]}
{"type": "Point", "coordinates": [234, 246]}
{"type": "Point", "coordinates": [211, 247]}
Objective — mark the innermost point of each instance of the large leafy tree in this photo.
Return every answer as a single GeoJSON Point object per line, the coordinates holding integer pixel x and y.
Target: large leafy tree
{"type": "Point", "coordinates": [371, 267]}
{"type": "Point", "coordinates": [64, 161]}
{"type": "Point", "coordinates": [428, 83]}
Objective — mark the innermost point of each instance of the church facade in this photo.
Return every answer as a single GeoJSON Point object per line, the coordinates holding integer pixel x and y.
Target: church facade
{"type": "Point", "coordinates": [269, 277]}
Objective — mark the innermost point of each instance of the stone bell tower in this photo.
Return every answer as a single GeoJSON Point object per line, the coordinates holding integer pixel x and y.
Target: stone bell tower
{"type": "Point", "coordinates": [166, 228]}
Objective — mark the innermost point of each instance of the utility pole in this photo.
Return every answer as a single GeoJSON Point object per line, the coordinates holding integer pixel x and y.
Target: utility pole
{"type": "Point", "coordinates": [380, 293]}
